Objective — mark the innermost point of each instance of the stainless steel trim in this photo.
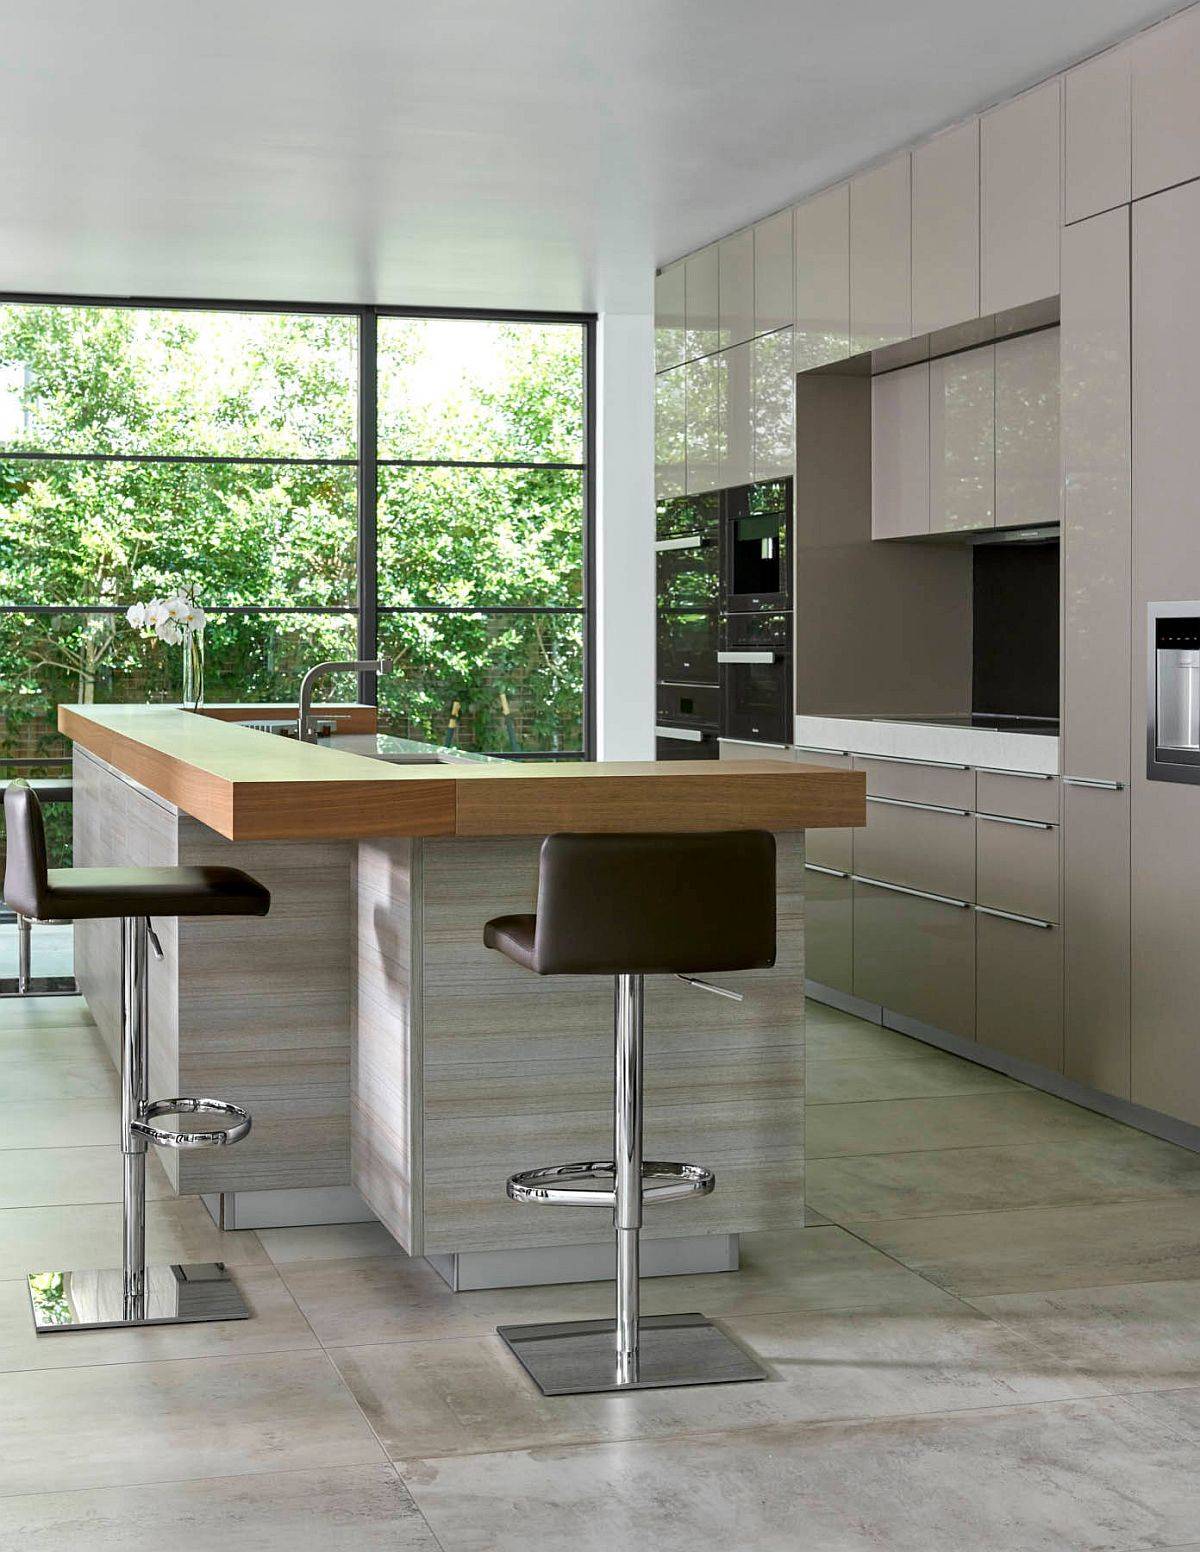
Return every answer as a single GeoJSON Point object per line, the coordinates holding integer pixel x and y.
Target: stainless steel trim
{"type": "Point", "coordinates": [815, 867]}
{"type": "Point", "coordinates": [1028, 921]}
{"type": "Point", "coordinates": [691, 542]}
{"type": "Point", "coordinates": [708, 986]}
{"type": "Point", "coordinates": [306, 732]}
{"type": "Point", "coordinates": [930, 808]}
{"type": "Point", "coordinates": [1025, 824]}
{"type": "Point", "coordinates": [819, 749]}
{"type": "Point", "coordinates": [754, 743]}
{"type": "Point", "coordinates": [995, 770]}
{"type": "Point", "coordinates": [907, 759]}
{"type": "Point", "coordinates": [692, 735]}
{"type": "Point", "coordinates": [1091, 781]}
{"type": "Point", "coordinates": [747, 657]}
{"type": "Point", "coordinates": [902, 889]}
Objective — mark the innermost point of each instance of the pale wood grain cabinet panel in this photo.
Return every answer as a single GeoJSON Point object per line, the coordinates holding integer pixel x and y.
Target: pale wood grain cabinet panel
{"type": "Point", "coordinates": [821, 237]}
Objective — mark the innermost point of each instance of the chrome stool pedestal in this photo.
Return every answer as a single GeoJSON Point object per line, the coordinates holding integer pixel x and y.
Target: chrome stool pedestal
{"type": "Point", "coordinates": [134, 1294]}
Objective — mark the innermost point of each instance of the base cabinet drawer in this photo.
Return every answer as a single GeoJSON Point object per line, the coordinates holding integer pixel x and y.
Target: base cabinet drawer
{"type": "Point", "coordinates": [922, 847]}
{"type": "Point", "coordinates": [828, 928]}
{"type": "Point", "coordinates": [915, 956]}
{"type": "Point", "coordinates": [1021, 796]}
{"type": "Point", "coordinates": [1017, 866]}
{"type": "Point", "coordinates": [1019, 989]}
{"type": "Point", "coordinates": [916, 782]}
{"type": "Point", "coordinates": [828, 848]}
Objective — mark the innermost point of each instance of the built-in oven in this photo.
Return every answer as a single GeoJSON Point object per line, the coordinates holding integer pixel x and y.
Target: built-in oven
{"type": "Point", "coordinates": [755, 659]}
{"type": "Point", "coordinates": [686, 570]}
{"type": "Point", "coordinates": [686, 722]}
{"type": "Point", "coordinates": [756, 544]}
{"type": "Point", "coordinates": [687, 646]}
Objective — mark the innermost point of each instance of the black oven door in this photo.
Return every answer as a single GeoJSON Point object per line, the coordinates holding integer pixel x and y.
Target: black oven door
{"type": "Point", "coordinates": [687, 646]}
{"type": "Point", "coordinates": [756, 679]}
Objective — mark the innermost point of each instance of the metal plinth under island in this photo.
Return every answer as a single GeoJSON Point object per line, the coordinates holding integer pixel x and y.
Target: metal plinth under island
{"type": "Point", "coordinates": [384, 1052]}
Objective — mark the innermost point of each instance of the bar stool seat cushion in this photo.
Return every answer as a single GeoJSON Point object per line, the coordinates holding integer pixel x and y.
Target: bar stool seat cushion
{"type": "Point", "coordinates": [512, 936]}
{"type": "Point", "coordinates": [89, 894]}
{"type": "Point", "coordinates": [50, 789]}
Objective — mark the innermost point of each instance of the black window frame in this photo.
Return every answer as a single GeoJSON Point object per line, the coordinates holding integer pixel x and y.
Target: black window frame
{"type": "Point", "coordinates": [365, 607]}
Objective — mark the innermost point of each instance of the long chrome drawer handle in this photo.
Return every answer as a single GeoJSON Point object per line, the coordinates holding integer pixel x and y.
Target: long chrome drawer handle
{"type": "Point", "coordinates": [1025, 824]}
{"type": "Point", "coordinates": [692, 542]}
{"type": "Point", "coordinates": [900, 889]}
{"type": "Point", "coordinates": [747, 657]}
{"type": "Point", "coordinates": [929, 808]}
{"type": "Point", "coordinates": [1027, 921]}
{"type": "Point", "coordinates": [815, 867]}
{"type": "Point", "coordinates": [819, 749]}
{"type": "Point", "coordinates": [908, 759]}
{"type": "Point", "coordinates": [995, 770]}
{"type": "Point", "coordinates": [1091, 781]}
{"type": "Point", "coordinates": [692, 735]}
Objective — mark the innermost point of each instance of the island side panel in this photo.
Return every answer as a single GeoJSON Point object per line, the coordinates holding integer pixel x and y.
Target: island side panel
{"type": "Point", "coordinates": [517, 1070]}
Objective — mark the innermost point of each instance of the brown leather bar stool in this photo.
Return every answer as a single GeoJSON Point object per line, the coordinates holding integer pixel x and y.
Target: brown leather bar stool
{"type": "Point", "coordinates": [631, 906]}
{"type": "Point", "coordinates": [48, 789]}
{"type": "Point", "coordinates": [132, 1295]}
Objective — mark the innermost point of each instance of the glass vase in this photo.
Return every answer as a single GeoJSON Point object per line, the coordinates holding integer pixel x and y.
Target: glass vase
{"type": "Point", "coordinates": [193, 669]}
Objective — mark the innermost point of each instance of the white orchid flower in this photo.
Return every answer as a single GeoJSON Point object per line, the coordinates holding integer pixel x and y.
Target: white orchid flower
{"type": "Point", "coordinates": [155, 613]}
{"type": "Point", "coordinates": [169, 631]}
{"type": "Point", "coordinates": [136, 615]}
{"type": "Point", "coordinates": [195, 619]}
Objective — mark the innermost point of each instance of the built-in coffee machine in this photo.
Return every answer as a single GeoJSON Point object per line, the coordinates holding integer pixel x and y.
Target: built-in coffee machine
{"type": "Point", "coordinates": [1173, 692]}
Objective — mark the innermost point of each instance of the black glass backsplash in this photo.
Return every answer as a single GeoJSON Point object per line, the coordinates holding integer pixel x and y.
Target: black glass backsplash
{"type": "Point", "coordinates": [1015, 658]}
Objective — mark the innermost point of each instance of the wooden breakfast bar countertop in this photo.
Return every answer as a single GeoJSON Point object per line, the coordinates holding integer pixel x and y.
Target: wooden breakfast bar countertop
{"type": "Point", "coordinates": [252, 785]}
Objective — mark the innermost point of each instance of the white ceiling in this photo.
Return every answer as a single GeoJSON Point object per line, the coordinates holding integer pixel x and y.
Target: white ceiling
{"type": "Point", "coordinates": [520, 153]}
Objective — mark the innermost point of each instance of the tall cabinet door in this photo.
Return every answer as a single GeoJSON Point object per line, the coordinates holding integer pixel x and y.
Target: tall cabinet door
{"type": "Point", "coordinates": [1166, 565]}
{"type": "Point", "coordinates": [1166, 104]}
{"type": "Point", "coordinates": [773, 273]}
{"type": "Point", "coordinates": [668, 317]}
{"type": "Point", "coordinates": [821, 239]}
{"type": "Point", "coordinates": [881, 255]}
{"type": "Point", "coordinates": [774, 405]}
{"type": "Point", "coordinates": [1020, 199]}
{"type": "Point", "coordinates": [735, 412]}
{"type": "Point", "coordinates": [670, 432]}
{"type": "Point", "coordinates": [703, 425]}
{"type": "Point", "coordinates": [945, 229]}
{"type": "Point", "coordinates": [1096, 547]}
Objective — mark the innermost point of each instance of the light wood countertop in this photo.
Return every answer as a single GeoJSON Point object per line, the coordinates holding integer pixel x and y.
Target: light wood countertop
{"type": "Point", "coordinates": [248, 785]}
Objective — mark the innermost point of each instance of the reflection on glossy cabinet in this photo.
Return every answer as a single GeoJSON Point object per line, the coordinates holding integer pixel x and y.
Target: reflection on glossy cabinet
{"type": "Point", "coordinates": [1096, 928]}
{"type": "Point", "coordinates": [821, 236]}
{"type": "Point", "coordinates": [700, 302]}
{"type": "Point", "coordinates": [670, 432]}
{"type": "Point", "coordinates": [916, 957]}
{"type": "Point", "coordinates": [1020, 209]}
{"type": "Point", "coordinates": [1096, 134]}
{"type": "Point", "coordinates": [962, 446]}
{"type": "Point", "coordinates": [669, 317]}
{"type": "Point", "coordinates": [773, 273]}
{"type": "Point", "coordinates": [881, 255]}
{"type": "Point", "coordinates": [774, 405]}
{"type": "Point", "coordinates": [1027, 452]}
{"type": "Point", "coordinates": [735, 309]}
{"type": "Point", "coordinates": [735, 415]}
{"type": "Point", "coordinates": [1097, 533]}
{"type": "Point", "coordinates": [945, 229]}
{"type": "Point", "coordinates": [828, 928]}
{"type": "Point", "coordinates": [1166, 104]}
{"type": "Point", "coordinates": [900, 453]}
{"type": "Point", "coordinates": [1018, 989]}
{"type": "Point", "coordinates": [703, 460]}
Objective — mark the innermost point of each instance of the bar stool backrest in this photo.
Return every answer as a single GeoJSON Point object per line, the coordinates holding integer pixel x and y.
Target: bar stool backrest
{"type": "Point", "coordinates": [655, 904]}
{"type": "Point", "coordinates": [26, 876]}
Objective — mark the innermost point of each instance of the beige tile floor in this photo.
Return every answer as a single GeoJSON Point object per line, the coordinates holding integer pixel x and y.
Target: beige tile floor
{"type": "Point", "coordinates": [988, 1338]}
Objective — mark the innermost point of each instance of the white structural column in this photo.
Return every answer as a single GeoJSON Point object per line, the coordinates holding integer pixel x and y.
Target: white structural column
{"type": "Point", "coordinates": [625, 536]}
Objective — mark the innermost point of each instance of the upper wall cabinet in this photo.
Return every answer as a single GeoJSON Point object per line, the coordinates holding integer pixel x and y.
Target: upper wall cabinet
{"type": "Point", "coordinates": [774, 405]}
{"type": "Point", "coordinates": [700, 301]}
{"type": "Point", "coordinates": [1166, 104]}
{"type": "Point", "coordinates": [773, 273]}
{"type": "Point", "coordinates": [962, 441]}
{"type": "Point", "coordinates": [900, 453]}
{"type": "Point", "coordinates": [821, 228]}
{"type": "Point", "coordinates": [881, 255]}
{"type": "Point", "coordinates": [945, 229]}
{"type": "Point", "coordinates": [1096, 134]}
{"type": "Point", "coordinates": [1027, 454]}
{"type": "Point", "coordinates": [668, 318]}
{"type": "Point", "coordinates": [1020, 199]}
{"type": "Point", "coordinates": [735, 415]}
{"type": "Point", "coordinates": [670, 432]}
{"type": "Point", "coordinates": [735, 312]}
{"type": "Point", "coordinates": [703, 425]}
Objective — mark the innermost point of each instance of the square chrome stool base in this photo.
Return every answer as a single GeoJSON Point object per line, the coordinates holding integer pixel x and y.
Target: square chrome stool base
{"type": "Point", "coordinates": [174, 1296]}
{"type": "Point", "coordinates": [578, 1357]}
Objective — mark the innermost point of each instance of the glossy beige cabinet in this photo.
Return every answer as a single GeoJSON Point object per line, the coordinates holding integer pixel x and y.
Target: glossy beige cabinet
{"type": "Point", "coordinates": [773, 273]}
{"type": "Point", "coordinates": [703, 425]}
{"type": "Point", "coordinates": [1097, 147]}
{"type": "Point", "coordinates": [669, 338]}
{"type": "Point", "coordinates": [915, 956]}
{"type": "Point", "coordinates": [1020, 199]}
{"type": "Point", "coordinates": [881, 255]}
{"type": "Point", "coordinates": [1018, 989]}
{"type": "Point", "coordinates": [735, 415]}
{"type": "Point", "coordinates": [1027, 430]}
{"type": "Point", "coordinates": [921, 846]}
{"type": "Point", "coordinates": [1166, 104]}
{"type": "Point", "coordinates": [821, 242]}
{"type": "Point", "coordinates": [828, 927]}
{"type": "Point", "coordinates": [962, 444]}
{"type": "Point", "coordinates": [1096, 932]}
{"type": "Point", "coordinates": [700, 300]}
{"type": "Point", "coordinates": [735, 288]}
{"type": "Point", "coordinates": [1017, 866]}
{"type": "Point", "coordinates": [945, 229]}
{"type": "Point", "coordinates": [900, 453]}
{"type": "Point", "coordinates": [1097, 531]}
{"type": "Point", "coordinates": [774, 452]}
{"type": "Point", "coordinates": [670, 433]}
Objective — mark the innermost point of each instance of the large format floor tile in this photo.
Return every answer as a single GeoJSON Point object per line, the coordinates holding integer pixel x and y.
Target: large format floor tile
{"type": "Point", "coordinates": [63, 1123]}
{"type": "Point", "coordinates": [355, 1509]}
{"type": "Point", "coordinates": [71, 1176]}
{"type": "Point", "coordinates": [1093, 1474]}
{"type": "Point", "coordinates": [916, 1073]}
{"type": "Point", "coordinates": [122, 1423]}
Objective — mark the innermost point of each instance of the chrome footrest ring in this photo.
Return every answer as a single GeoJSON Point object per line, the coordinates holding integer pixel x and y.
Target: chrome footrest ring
{"type": "Point", "coordinates": [662, 1181]}
{"type": "Point", "coordinates": [222, 1137]}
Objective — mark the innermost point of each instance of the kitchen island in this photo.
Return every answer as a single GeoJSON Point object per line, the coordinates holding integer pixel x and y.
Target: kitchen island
{"type": "Point", "coordinates": [377, 1042]}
